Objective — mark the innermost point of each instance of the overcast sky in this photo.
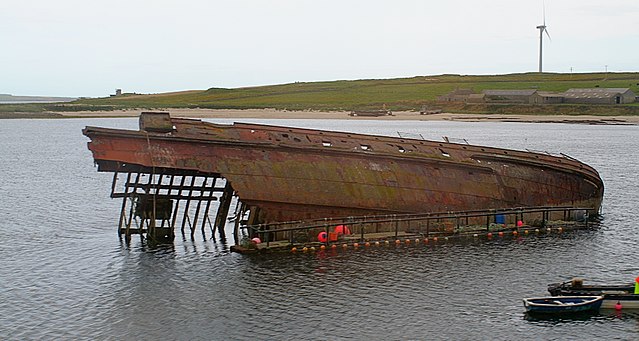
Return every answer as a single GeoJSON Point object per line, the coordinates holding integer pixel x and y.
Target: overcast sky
{"type": "Point", "coordinates": [90, 48]}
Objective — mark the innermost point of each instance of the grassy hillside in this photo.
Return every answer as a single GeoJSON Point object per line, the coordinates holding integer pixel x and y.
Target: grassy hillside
{"type": "Point", "coordinates": [395, 94]}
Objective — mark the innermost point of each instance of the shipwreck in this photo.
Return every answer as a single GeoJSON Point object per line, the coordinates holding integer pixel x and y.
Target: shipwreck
{"type": "Point", "coordinates": [276, 174]}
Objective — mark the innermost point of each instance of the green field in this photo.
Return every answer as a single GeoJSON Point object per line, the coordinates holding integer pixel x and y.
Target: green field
{"type": "Point", "coordinates": [394, 94]}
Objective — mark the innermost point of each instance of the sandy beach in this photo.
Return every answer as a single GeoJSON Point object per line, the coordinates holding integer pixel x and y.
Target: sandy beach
{"type": "Point", "coordinates": [341, 115]}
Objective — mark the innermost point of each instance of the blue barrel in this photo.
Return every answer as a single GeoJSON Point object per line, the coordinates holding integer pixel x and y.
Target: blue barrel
{"type": "Point", "coordinates": [500, 219]}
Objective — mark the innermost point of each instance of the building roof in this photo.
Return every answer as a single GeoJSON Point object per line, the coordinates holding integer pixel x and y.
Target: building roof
{"type": "Point", "coordinates": [550, 94]}
{"type": "Point", "coordinates": [599, 90]}
{"type": "Point", "coordinates": [528, 92]}
{"type": "Point", "coordinates": [596, 92]}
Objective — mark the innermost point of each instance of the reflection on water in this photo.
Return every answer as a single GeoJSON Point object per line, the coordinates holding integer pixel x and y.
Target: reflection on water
{"type": "Point", "coordinates": [65, 274]}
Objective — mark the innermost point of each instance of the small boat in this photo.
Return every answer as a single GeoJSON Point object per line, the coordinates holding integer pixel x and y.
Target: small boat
{"type": "Point", "coordinates": [371, 113]}
{"type": "Point", "coordinates": [615, 296]}
{"type": "Point", "coordinates": [563, 304]}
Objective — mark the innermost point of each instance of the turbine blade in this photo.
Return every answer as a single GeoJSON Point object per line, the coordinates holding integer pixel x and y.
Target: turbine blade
{"type": "Point", "coordinates": [543, 4]}
{"type": "Point", "coordinates": [548, 34]}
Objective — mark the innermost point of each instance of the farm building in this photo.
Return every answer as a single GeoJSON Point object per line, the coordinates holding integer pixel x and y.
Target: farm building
{"type": "Point", "coordinates": [509, 96]}
{"type": "Point", "coordinates": [545, 97]}
{"type": "Point", "coordinates": [532, 96]}
{"type": "Point", "coordinates": [599, 96]}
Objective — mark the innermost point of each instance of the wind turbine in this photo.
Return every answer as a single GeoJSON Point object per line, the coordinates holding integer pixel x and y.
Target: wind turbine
{"type": "Point", "coordinates": [542, 29]}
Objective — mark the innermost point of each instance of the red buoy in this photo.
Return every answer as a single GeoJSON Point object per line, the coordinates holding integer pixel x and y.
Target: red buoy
{"type": "Point", "coordinates": [322, 237]}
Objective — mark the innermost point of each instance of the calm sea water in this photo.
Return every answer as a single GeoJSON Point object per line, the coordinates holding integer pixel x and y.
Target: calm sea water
{"type": "Point", "coordinates": [65, 274]}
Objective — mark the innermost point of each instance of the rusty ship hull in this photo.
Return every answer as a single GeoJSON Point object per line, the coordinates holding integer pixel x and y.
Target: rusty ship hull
{"type": "Point", "coordinates": [292, 173]}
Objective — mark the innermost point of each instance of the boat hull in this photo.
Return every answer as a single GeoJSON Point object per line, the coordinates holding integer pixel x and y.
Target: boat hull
{"type": "Point", "coordinates": [292, 174]}
{"type": "Point", "coordinates": [563, 305]}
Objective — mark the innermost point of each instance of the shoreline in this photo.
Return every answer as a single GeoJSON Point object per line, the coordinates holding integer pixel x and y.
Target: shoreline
{"type": "Point", "coordinates": [340, 115]}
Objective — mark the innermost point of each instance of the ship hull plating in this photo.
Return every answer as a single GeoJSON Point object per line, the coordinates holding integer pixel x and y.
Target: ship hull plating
{"type": "Point", "coordinates": [291, 173]}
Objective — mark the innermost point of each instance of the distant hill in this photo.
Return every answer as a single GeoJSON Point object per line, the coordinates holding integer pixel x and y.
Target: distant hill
{"type": "Point", "coordinates": [394, 94]}
{"type": "Point", "coordinates": [6, 98]}
{"type": "Point", "coordinates": [366, 94]}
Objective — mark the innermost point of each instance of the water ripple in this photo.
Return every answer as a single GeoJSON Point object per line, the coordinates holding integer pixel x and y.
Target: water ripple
{"type": "Point", "coordinates": [66, 275]}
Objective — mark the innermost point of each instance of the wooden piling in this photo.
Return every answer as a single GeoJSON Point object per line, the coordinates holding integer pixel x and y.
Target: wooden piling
{"type": "Point", "coordinates": [223, 209]}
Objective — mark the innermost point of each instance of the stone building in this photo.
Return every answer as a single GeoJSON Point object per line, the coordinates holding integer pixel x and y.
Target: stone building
{"type": "Point", "coordinates": [599, 96]}
{"type": "Point", "coordinates": [532, 96]}
{"type": "Point", "coordinates": [509, 96]}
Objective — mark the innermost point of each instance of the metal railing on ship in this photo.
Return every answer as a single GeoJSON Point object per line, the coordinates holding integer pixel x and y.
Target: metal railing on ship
{"type": "Point", "coordinates": [424, 224]}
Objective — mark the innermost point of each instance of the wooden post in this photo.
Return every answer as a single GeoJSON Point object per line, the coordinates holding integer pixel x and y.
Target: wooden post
{"type": "Point", "coordinates": [177, 202]}
{"type": "Point", "coordinates": [487, 222]}
{"type": "Point", "coordinates": [208, 206]}
{"type": "Point", "coordinates": [188, 204]}
{"type": "Point", "coordinates": [126, 197]}
{"type": "Point", "coordinates": [396, 225]}
{"type": "Point", "coordinates": [223, 209]}
{"type": "Point", "coordinates": [197, 208]}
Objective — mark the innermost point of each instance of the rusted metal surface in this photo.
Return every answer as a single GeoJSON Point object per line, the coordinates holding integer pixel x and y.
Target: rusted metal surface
{"type": "Point", "coordinates": [292, 173]}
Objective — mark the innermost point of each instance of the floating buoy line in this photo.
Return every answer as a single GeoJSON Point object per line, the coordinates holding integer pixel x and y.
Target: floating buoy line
{"type": "Point", "coordinates": [426, 241]}
{"type": "Point", "coordinates": [410, 230]}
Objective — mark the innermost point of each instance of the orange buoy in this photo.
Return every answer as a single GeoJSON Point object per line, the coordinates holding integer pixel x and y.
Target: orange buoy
{"type": "Point", "coordinates": [525, 231]}
{"type": "Point", "coordinates": [407, 241]}
{"type": "Point", "coordinates": [323, 247]}
{"type": "Point", "coordinates": [342, 229]}
{"type": "Point", "coordinates": [559, 229]}
{"type": "Point", "coordinates": [344, 245]}
{"type": "Point", "coordinates": [305, 249]}
{"type": "Point", "coordinates": [489, 235]}
{"type": "Point", "coordinates": [312, 248]}
{"type": "Point", "coordinates": [367, 244]}
{"type": "Point", "coordinates": [294, 249]}
{"type": "Point", "coordinates": [355, 245]}
{"type": "Point", "coordinates": [515, 233]}
{"type": "Point", "coordinates": [333, 246]}
{"type": "Point", "coordinates": [425, 240]}
{"type": "Point", "coordinates": [501, 233]}
{"type": "Point", "coordinates": [417, 241]}
{"type": "Point", "coordinates": [435, 239]}
{"type": "Point", "coordinates": [397, 241]}
{"type": "Point", "coordinates": [386, 242]}
{"type": "Point", "coordinates": [376, 243]}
